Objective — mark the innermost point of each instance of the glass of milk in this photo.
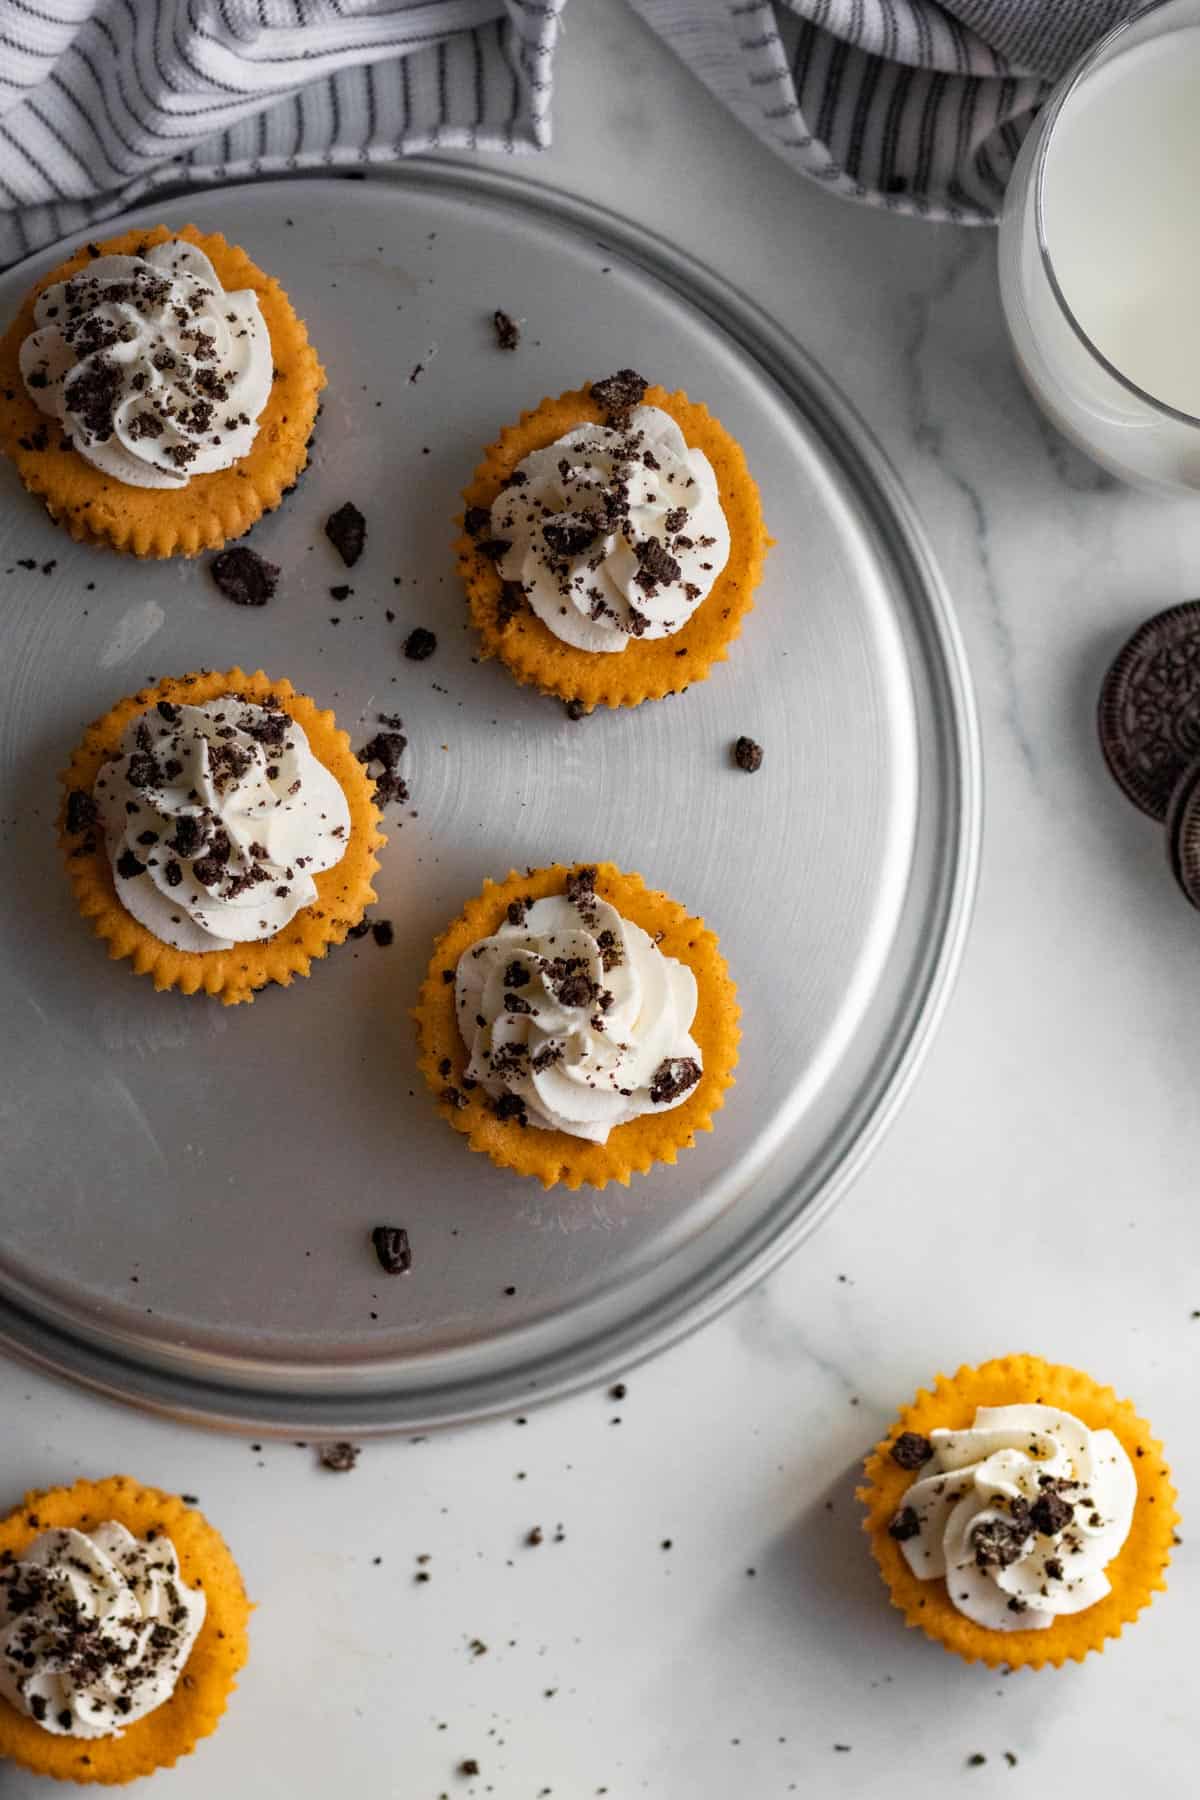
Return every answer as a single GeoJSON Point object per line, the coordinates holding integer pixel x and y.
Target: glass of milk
{"type": "Point", "coordinates": [1100, 251]}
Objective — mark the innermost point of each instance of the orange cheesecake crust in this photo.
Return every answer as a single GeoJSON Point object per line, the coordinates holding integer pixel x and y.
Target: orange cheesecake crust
{"type": "Point", "coordinates": [1136, 1573]}
{"type": "Point", "coordinates": [209, 1677]}
{"type": "Point", "coordinates": [555, 1156]}
{"type": "Point", "coordinates": [211, 509]}
{"type": "Point", "coordinates": [646, 669]}
{"type": "Point", "coordinates": [343, 892]}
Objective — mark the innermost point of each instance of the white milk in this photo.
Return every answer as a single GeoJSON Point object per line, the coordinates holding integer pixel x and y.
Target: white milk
{"type": "Point", "coordinates": [1122, 214]}
{"type": "Point", "coordinates": [1121, 199]}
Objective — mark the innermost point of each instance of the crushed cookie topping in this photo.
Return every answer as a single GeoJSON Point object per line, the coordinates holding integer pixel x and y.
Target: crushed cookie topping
{"type": "Point", "coordinates": [95, 1628]}
{"type": "Point", "coordinates": [617, 395]}
{"type": "Point", "coordinates": [233, 818]}
{"type": "Point", "coordinates": [592, 534]}
{"type": "Point", "coordinates": [134, 354]}
{"type": "Point", "coordinates": [1002, 1510]}
{"type": "Point", "coordinates": [550, 1008]}
{"type": "Point", "coordinates": [381, 755]}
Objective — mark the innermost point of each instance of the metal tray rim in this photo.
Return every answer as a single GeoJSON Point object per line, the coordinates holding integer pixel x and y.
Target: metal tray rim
{"type": "Point", "coordinates": [239, 1406]}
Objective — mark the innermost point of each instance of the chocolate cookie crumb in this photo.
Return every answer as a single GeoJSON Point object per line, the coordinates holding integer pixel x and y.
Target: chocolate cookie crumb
{"type": "Point", "coordinates": [386, 747]}
{"type": "Point", "coordinates": [508, 332]}
{"type": "Point", "coordinates": [535, 1536]}
{"type": "Point", "coordinates": [383, 933]}
{"type": "Point", "coordinates": [617, 395]}
{"type": "Point", "coordinates": [244, 576]}
{"type": "Point", "coordinates": [341, 1458]}
{"type": "Point", "coordinates": [392, 1248]}
{"type": "Point", "coordinates": [904, 1525]}
{"type": "Point", "coordinates": [420, 644]}
{"type": "Point", "coordinates": [512, 598]}
{"type": "Point", "coordinates": [128, 866]}
{"type": "Point", "coordinates": [342, 592]}
{"type": "Point", "coordinates": [476, 520]}
{"type": "Point", "coordinates": [346, 530]}
{"type": "Point", "coordinates": [910, 1450]}
{"type": "Point", "coordinates": [656, 566]}
{"type": "Point", "coordinates": [673, 1077]}
{"type": "Point", "coordinates": [748, 755]}
{"type": "Point", "coordinates": [618, 1391]}
{"type": "Point", "coordinates": [575, 710]}
{"type": "Point", "coordinates": [468, 1766]}
{"type": "Point", "coordinates": [977, 1760]}
{"type": "Point", "coordinates": [581, 888]}
{"type": "Point", "coordinates": [81, 811]}
{"type": "Point", "coordinates": [571, 537]}
{"type": "Point", "coordinates": [998, 1544]}
{"type": "Point", "coordinates": [1050, 1513]}
{"type": "Point", "coordinates": [360, 930]}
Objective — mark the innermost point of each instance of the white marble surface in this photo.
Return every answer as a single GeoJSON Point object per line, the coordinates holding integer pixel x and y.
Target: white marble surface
{"type": "Point", "coordinates": [1038, 1192]}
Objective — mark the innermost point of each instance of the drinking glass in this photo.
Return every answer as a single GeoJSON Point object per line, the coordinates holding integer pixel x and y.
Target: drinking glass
{"type": "Point", "coordinates": [1137, 435]}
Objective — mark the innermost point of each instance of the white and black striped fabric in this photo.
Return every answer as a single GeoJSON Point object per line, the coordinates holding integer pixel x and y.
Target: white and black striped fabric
{"type": "Point", "coordinates": [102, 101]}
{"type": "Point", "coordinates": [906, 104]}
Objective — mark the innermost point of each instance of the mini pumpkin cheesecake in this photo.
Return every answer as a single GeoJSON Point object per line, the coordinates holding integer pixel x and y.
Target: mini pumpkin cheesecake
{"type": "Point", "coordinates": [219, 831]}
{"type": "Point", "coordinates": [158, 392]}
{"type": "Point", "coordinates": [577, 1026]}
{"type": "Point", "coordinates": [123, 1625]}
{"type": "Point", "coordinates": [1020, 1513]}
{"type": "Point", "coordinates": [612, 542]}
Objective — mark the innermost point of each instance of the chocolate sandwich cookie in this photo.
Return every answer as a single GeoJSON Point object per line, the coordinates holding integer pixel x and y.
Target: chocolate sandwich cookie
{"type": "Point", "coordinates": [1183, 832]}
{"type": "Point", "coordinates": [1150, 708]}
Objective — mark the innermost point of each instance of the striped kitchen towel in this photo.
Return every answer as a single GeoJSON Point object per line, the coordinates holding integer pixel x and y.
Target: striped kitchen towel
{"type": "Point", "coordinates": [103, 101]}
{"type": "Point", "coordinates": [906, 104]}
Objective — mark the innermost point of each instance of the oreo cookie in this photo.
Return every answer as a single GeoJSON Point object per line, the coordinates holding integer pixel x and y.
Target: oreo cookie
{"type": "Point", "coordinates": [1183, 832]}
{"type": "Point", "coordinates": [1149, 714]}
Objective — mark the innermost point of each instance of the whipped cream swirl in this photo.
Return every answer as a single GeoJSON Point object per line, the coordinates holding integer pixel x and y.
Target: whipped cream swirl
{"type": "Point", "coordinates": [1021, 1513]}
{"type": "Point", "coordinates": [95, 1629]}
{"type": "Point", "coordinates": [154, 371]}
{"type": "Point", "coordinates": [613, 533]}
{"type": "Point", "coordinates": [575, 1019]}
{"type": "Point", "coordinates": [216, 818]}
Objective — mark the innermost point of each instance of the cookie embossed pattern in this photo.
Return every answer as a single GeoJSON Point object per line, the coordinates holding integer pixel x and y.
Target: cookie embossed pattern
{"type": "Point", "coordinates": [1149, 718]}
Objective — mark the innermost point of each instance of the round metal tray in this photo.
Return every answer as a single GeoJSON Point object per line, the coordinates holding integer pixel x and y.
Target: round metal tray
{"type": "Point", "coordinates": [186, 1189]}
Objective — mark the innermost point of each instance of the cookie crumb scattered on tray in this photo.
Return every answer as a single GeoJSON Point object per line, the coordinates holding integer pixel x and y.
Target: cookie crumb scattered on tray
{"type": "Point", "coordinates": [392, 1248]}
{"type": "Point", "coordinates": [346, 530]}
{"type": "Point", "coordinates": [508, 332]}
{"type": "Point", "coordinates": [420, 644]}
{"type": "Point", "coordinates": [340, 1458]}
{"type": "Point", "coordinates": [244, 576]}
